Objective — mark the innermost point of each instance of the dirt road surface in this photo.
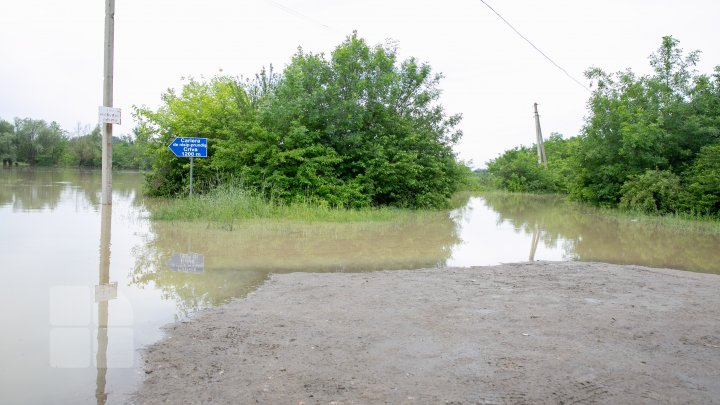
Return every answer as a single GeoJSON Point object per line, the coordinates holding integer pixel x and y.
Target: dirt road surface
{"type": "Point", "coordinates": [535, 333]}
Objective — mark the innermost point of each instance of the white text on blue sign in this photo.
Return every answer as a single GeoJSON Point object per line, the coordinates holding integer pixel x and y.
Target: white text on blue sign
{"type": "Point", "coordinates": [189, 147]}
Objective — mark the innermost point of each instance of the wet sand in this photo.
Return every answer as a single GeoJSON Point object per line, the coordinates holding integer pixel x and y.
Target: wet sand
{"type": "Point", "coordinates": [539, 332]}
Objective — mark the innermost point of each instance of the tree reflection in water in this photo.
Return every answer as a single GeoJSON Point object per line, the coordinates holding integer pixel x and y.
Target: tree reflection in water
{"type": "Point", "coordinates": [589, 235]}
{"type": "Point", "coordinates": [239, 257]}
{"type": "Point", "coordinates": [30, 189]}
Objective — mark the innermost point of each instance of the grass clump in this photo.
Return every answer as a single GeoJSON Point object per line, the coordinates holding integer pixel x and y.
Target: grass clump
{"type": "Point", "coordinates": [234, 203]}
{"type": "Point", "coordinates": [682, 222]}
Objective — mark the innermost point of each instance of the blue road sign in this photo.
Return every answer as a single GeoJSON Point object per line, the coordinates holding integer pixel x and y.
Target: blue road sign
{"type": "Point", "coordinates": [189, 147]}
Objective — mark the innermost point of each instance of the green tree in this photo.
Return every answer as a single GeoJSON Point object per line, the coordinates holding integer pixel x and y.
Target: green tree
{"type": "Point", "coordinates": [8, 143]}
{"type": "Point", "coordinates": [218, 109]}
{"type": "Point", "coordinates": [128, 153]}
{"type": "Point", "coordinates": [518, 169]}
{"type": "Point", "coordinates": [85, 150]}
{"type": "Point", "coordinates": [364, 127]}
{"type": "Point", "coordinates": [653, 192]}
{"type": "Point", "coordinates": [640, 123]}
{"type": "Point", "coordinates": [356, 129]}
{"type": "Point", "coordinates": [39, 143]}
{"type": "Point", "coordinates": [702, 194]}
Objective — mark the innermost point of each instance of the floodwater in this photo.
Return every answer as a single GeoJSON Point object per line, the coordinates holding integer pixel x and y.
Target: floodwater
{"type": "Point", "coordinates": [84, 287]}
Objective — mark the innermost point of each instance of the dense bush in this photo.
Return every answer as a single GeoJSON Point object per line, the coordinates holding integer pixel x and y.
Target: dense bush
{"type": "Point", "coordinates": [357, 129]}
{"type": "Point", "coordinates": [650, 143]}
{"type": "Point", "coordinates": [653, 192]}
{"type": "Point", "coordinates": [702, 193]}
{"type": "Point", "coordinates": [518, 169]}
{"type": "Point", "coordinates": [640, 123]}
{"type": "Point", "coordinates": [218, 109]}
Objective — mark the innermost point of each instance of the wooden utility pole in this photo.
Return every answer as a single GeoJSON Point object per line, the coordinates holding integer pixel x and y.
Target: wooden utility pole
{"type": "Point", "coordinates": [108, 101]}
{"type": "Point", "coordinates": [542, 159]}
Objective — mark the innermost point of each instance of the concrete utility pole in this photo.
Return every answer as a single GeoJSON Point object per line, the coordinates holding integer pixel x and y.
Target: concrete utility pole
{"type": "Point", "coordinates": [101, 358]}
{"type": "Point", "coordinates": [542, 159]}
{"type": "Point", "coordinates": [108, 101]}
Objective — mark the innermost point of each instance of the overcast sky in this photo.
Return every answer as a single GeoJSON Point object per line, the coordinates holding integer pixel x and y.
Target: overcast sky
{"type": "Point", "coordinates": [51, 52]}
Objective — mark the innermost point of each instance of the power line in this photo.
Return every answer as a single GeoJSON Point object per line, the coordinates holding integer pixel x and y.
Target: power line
{"type": "Point", "coordinates": [298, 14]}
{"type": "Point", "coordinates": [536, 48]}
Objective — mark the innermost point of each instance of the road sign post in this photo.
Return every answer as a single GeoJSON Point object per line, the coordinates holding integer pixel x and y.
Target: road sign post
{"type": "Point", "coordinates": [191, 170]}
{"type": "Point", "coordinates": [191, 148]}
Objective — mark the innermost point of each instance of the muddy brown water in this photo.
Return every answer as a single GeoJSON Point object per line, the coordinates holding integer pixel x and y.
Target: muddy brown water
{"type": "Point", "coordinates": [84, 288]}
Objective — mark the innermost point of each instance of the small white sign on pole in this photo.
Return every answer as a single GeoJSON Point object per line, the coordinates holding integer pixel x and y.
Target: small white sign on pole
{"type": "Point", "coordinates": [106, 292]}
{"type": "Point", "coordinates": [109, 115]}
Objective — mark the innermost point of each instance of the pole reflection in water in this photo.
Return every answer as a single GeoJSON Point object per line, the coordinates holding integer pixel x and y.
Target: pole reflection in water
{"type": "Point", "coordinates": [534, 245]}
{"type": "Point", "coordinates": [104, 292]}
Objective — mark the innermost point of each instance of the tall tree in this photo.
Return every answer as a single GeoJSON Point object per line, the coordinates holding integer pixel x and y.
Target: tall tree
{"type": "Point", "coordinates": [85, 150]}
{"type": "Point", "coordinates": [8, 143]}
{"type": "Point", "coordinates": [39, 143]}
{"type": "Point", "coordinates": [640, 123]}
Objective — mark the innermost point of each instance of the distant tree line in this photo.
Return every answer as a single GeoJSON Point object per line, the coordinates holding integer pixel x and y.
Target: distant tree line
{"type": "Point", "coordinates": [38, 143]}
{"type": "Point", "coordinates": [650, 142]}
{"type": "Point", "coordinates": [358, 128]}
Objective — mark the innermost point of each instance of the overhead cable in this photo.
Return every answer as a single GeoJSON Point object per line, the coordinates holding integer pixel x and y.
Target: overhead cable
{"type": "Point", "coordinates": [297, 14]}
{"type": "Point", "coordinates": [536, 48]}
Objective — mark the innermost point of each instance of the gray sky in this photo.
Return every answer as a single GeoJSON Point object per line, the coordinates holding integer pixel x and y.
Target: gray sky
{"type": "Point", "coordinates": [51, 52]}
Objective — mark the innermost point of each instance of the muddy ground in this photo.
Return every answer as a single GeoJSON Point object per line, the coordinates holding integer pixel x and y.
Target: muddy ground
{"type": "Point", "coordinates": [517, 333]}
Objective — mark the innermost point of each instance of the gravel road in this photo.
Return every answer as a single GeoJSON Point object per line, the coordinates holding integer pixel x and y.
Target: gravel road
{"type": "Point", "coordinates": [543, 332]}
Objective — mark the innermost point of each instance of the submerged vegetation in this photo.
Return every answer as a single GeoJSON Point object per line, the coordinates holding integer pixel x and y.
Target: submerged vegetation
{"type": "Point", "coordinates": [226, 204]}
{"type": "Point", "coordinates": [651, 143]}
{"type": "Point", "coordinates": [678, 222]}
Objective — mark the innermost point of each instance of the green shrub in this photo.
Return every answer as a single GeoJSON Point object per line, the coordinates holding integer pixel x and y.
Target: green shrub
{"type": "Point", "coordinates": [653, 192]}
{"type": "Point", "coordinates": [702, 193]}
{"type": "Point", "coordinates": [357, 129]}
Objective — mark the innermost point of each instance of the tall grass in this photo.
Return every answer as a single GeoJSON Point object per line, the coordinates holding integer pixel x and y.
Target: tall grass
{"type": "Point", "coordinates": [233, 203]}
{"type": "Point", "coordinates": [681, 222]}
